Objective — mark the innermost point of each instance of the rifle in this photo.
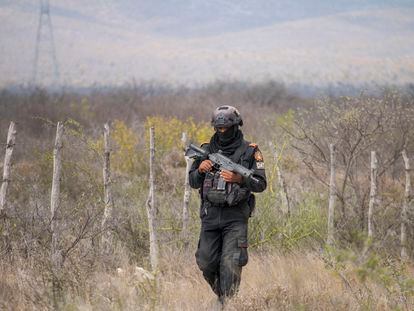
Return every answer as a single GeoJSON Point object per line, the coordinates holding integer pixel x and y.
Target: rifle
{"type": "Point", "coordinates": [220, 162]}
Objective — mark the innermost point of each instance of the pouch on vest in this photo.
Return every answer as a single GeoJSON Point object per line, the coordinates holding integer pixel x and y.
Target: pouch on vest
{"type": "Point", "coordinates": [207, 185]}
{"type": "Point", "coordinates": [215, 195]}
{"type": "Point", "coordinates": [237, 195]}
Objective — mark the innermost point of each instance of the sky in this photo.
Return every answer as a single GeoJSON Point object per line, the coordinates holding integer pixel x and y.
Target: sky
{"type": "Point", "coordinates": [108, 42]}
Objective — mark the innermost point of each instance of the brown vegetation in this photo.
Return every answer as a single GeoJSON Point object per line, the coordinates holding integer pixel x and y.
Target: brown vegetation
{"type": "Point", "coordinates": [290, 266]}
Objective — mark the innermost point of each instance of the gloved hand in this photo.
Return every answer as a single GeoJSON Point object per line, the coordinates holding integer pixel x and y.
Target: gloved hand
{"type": "Point", "coordinates": [205, 166]}
{"type": "Point", "coordinates": [231, 177]}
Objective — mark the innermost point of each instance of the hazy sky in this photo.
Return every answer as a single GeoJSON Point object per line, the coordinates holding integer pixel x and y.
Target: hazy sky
{"type": "Point", "coordinates": [178, 41]}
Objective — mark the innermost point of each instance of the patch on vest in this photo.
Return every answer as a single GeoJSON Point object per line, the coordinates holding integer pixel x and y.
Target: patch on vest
{"type": "Point", "coordinates": [258, 156]}
{"type": "Point", "coordinates": [260, 165]}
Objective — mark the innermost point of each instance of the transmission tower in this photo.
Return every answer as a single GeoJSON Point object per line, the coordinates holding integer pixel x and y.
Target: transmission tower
{"type": "Point", "coordinates": [45, 67]}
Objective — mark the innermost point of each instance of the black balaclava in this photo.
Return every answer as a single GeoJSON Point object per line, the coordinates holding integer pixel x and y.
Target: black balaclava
{"type": "Point", "coordinates": [225, 138]}
{"type": "Point", "coordinates": [227, 142]}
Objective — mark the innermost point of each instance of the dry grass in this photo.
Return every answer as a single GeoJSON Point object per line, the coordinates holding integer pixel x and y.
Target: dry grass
{"type": "Point", "coordinates": [269, 282]}
{"type": "Point", "coordinates": [293, 282]}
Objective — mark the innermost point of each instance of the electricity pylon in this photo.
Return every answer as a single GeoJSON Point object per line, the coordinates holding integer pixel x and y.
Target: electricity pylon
{"type": "Point", "coordinates": [45, 67]}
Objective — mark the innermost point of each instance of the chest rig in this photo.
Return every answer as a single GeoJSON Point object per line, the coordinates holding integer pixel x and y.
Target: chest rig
{"type": "Point", "coordinates": [217, 192]}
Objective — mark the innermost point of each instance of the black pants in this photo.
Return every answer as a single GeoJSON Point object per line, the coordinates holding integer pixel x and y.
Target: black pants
{"type": "Point", "coordinates": [222, 248]}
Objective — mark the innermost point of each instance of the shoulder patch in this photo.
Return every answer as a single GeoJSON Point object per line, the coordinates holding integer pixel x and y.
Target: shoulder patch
{"type": "Point", "coordinates": [258, 156]}
{"type": "Point", "coordinates": [260, 165]}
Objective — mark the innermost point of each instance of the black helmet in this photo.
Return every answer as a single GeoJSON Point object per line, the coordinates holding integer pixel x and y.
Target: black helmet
{"type": "Point", "coordinates": [226, 116]}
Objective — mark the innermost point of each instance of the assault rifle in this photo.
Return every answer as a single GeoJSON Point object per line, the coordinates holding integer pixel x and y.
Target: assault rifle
{"type": "Point", "coordinates": [220, 162]}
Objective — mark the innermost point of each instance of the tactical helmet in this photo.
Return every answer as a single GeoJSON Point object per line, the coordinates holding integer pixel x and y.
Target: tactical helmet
{"type": "Point", "coordinates": [226, 116]}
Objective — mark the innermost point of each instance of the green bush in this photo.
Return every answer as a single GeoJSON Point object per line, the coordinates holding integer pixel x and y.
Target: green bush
{"type": "Point", "coordinates": [305, 227]}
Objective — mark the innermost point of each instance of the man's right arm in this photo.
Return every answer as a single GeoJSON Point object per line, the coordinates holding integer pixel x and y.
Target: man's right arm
{"type": "Point", "coordinates": [195, 177]}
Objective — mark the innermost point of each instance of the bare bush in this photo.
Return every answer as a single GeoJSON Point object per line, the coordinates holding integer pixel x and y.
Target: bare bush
{"type": "Point", "coordinates": [356, 126]}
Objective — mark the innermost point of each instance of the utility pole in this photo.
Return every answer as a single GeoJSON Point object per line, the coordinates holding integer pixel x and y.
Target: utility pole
{"type": "Point", "coordinates": [45, 66]}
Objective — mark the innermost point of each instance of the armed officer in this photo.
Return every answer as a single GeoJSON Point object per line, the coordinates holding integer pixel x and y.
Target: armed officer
{"type": "Point", "coordinates": [222, 247]}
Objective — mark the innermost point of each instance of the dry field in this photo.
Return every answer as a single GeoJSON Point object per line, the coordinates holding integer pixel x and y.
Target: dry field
{"type": "Point", "coordinates": [271, 281]}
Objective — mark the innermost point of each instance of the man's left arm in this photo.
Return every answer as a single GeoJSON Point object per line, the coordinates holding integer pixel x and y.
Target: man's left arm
{"type": "Point", "coordinates": [258, 167]}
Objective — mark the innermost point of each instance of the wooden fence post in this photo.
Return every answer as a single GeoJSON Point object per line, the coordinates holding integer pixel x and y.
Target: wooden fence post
{"type": "Point", "coordinates": [405, 207]}
{"type": "Point", "coordinates": [11, 140]}
{"type": "Point", "coordinates": [56, 252]}
{"type": "Point", "coordinates": [55, 198]}
{"type": "Point", "coordinates": [332, 195]}
{"type": "Point", "coordinates": [107, 238]}
{"type": "Point", "coordinates": [187, 193]}
{"type": "Point", "coordinates": [151, 206]}
{"type": "Point", "coordinates": [373, 192]}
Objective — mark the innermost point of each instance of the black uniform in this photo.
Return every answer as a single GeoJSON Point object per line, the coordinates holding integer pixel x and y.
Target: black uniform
{"type": "Point", "coordinates": [222, 247]}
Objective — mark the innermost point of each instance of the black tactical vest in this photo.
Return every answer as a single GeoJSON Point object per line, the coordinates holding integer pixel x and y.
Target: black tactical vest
{"type": "Point", "coordinates": [233, 194]}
